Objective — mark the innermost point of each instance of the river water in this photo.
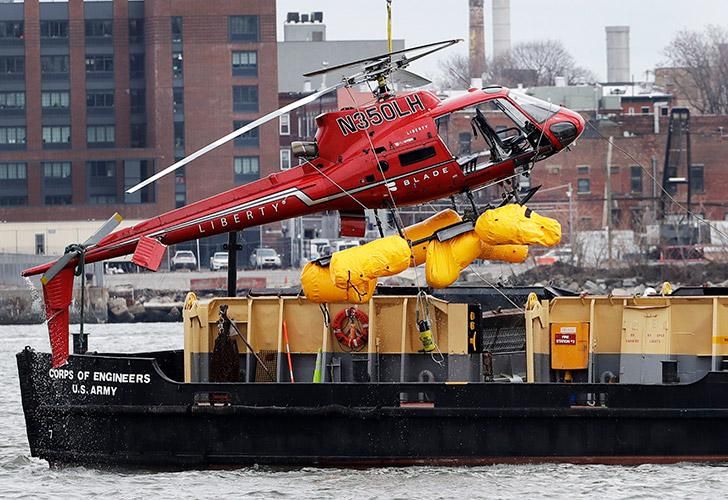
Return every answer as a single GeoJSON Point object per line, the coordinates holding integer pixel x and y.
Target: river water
{"type": "Point", "coordinates": [24, 477]}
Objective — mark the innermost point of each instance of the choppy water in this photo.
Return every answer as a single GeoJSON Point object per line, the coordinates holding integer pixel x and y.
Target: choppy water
{"type": "Point", "coordinates": [24, 477]}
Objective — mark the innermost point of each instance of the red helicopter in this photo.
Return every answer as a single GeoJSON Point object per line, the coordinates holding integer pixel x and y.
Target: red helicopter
{"type": "Point", "coordinates": [386, 154]}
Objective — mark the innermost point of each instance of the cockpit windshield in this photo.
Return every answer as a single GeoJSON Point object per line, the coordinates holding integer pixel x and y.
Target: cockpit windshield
{"type": "Point", "coordinates": [490, 131]}
{"type": "Point", "coordinates": [538, 109]}
{"type": "Point", "coordinates": [494, 131]}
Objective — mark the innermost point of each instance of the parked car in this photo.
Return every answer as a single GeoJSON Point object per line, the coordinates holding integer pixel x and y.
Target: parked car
{"type": "Point", "coordinates": [184, 259]}
{"type": "Point", "coordinates": [553, 256]}
{"type": "Point", "coordinates": [265, 257]}
{"type": "Point", "coordinates": [219, 260]}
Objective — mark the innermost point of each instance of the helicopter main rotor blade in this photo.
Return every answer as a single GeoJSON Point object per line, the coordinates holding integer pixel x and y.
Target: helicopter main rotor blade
{"type": "Point", "coordinates": [58, 266]}
{"type": "Point", "coordinates": [443, 44]}
{"type": "Point", "coordinates": [104, 230]}
{"type": "Point", "coordinates": [242, 130]}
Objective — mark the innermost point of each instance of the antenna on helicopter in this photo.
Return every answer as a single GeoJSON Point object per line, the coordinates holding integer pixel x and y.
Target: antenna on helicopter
{"type": "Point", "coordinates": [377, 69]}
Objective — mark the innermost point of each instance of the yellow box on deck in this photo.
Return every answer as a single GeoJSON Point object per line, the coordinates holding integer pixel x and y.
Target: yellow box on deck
{"type": "Point", "coordinates": [569, 345]}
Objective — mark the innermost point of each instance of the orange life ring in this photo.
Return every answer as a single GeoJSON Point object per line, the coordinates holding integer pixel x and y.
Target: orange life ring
{"type": "Point", "coordinates": [351, 327]}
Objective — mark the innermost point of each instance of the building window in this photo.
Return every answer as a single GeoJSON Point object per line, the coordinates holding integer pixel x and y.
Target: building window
{"type": "Point", "coordinates": [101, 183]}
{"type": "Point", "coordinates": [12, 30]}
{"type": "Point", "coordinates": [136, 65]}
{"type": "Point", "coordinates": [12, 100]}
{"type": "Point", "coordinates": [40, 244]}
{"type": "Point", "coordinates": [245, 63]}
{"type": "Point", "coordinates": [98, 28]}
{"type": "Point", "coordinates": [99, 64]}
{"type": "Point", "coordinates": [635, 179]}
{"type": "Point", "coordinates": [136, 30]}
{"type": "Point", "coordinates": [178, 100]}
{"type": "Point", "coordinates": [179, 135]}
{"type": "Point", "coordinates": [12, 65]}
{"type": "Point", "coordinates": [664, 111]}
{"type": "Point", "coordinates": [138, 137]}
{"type": "Point", "coordinates": [54, 29]}
{"type": "Point", "coordinates": [284, 124]}
{"type": "Point", "coordinates": [57, 135]}
{"type": "Point", "coordinates": [136, 171]}
{"type": "Point", "coordinates": [13, 171]}
{"type": "Point", "coordinates": [244, 28]}
{"type": "Point", "coordinates": [100, 135]}
{"type": "Point", "coordinates": [697, 181]}
{"type": "Point", "coordinates": [180, 187]}
{"type": "Point", "coordinates": [137, 100]}
{"type": "Point", "coordinates": [245, 98]}
{"type": "Point", "coordinates": [13, 184]}
{"type": "Point", "coordinates": [285, 159]}
{"type": "Point", "coordinates": [103, 99]}
{"type": "Point", "coordinates": [645, 110]}
{"type": "Point", "coordinates": [176, 28]}
{"type": "Point", "coordinates": [582, 169]}
{"type": "Point", "coordinates": [177, 64]}
{"type": "Point", "coordinates": [57, 170]}
{"type": "Point", "coordinates": [54, 65]}
{"type": "Point", "coordinates": [54, 99]}
{"type": "Point", "coordinates": [248, 139]}
{"type": "Point", "coordinates": [583, 186]}
{"type": "Point", "coordinates": [12, 136]}
{"type": "Point", "coordinates": [246, 169]}
{"type": "Point", "coordinates": [57, 187]}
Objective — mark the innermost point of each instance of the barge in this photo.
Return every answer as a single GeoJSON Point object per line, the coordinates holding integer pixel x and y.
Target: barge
{"type": "Point", "coordinates": [262, 379]}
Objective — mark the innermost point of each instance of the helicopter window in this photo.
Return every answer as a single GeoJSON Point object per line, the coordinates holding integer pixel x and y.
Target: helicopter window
{"type": "Point", "coordinates": [538, 109]}
{"type": "Point", "coordinates": [416, 156]}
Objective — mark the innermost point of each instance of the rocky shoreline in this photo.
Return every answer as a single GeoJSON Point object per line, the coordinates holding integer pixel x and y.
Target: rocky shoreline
{"type": "Point", "coordinates": [126, 304]}
{"type": "Point", "coordinates": [115, 305]}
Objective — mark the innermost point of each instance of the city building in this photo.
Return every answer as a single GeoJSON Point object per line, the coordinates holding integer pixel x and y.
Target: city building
{"type": "Point", "coordinates": [96, 96]}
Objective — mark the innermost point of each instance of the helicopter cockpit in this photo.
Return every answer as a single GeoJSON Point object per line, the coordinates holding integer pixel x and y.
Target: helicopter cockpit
{"type": "Point", "coordinates": [493, 131]}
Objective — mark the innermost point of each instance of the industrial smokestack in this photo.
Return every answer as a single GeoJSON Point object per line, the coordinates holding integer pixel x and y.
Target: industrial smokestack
{"type": "Point", "coordinates": [501, 27]}
{"type": "Point", "coordinates": [618, 54]}
{"type": "Point", "coordinates": [477, 42]}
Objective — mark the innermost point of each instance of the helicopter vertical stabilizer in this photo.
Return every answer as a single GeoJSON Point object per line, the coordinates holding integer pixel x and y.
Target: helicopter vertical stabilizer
{"type": "Point", "coordinates": [57, 294]}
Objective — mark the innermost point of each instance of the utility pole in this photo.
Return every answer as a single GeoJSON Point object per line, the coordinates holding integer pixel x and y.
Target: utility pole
{"type": "Point", "coordinates": [570, 194]}
{"type": "Point", "coordinates": [608, 202]}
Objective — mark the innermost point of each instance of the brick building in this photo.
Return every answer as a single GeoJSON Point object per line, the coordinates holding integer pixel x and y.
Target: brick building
{"type": "Point", "coordinates": [95, 96]}
{"type": "Point", "coordinates": [634, 195]}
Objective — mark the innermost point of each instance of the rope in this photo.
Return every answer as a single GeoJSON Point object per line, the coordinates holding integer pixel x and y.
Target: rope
{"type": "Point", "coordinates": [495, 288]}
{"type": "Point", "coordinates": [662, 188]}
{"type": "Point", "coordinates": [332, 181]}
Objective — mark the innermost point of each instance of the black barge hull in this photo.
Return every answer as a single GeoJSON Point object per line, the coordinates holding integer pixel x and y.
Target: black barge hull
{"type": "Point", "coordinates": [125, 411]}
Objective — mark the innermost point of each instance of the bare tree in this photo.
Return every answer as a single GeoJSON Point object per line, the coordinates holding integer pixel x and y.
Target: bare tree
{"type": "Point", "coordinates": [455, 73]}
{"type": "Point", "coordinates": [549, 59]}
{"type": "Point", "coordinates": [535, 63]}
{"type": "Point", "coordinates": [700, 61]}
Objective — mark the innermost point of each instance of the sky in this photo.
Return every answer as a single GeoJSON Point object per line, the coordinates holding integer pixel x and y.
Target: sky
{"type": "Point", "coordinates": [579, 24]}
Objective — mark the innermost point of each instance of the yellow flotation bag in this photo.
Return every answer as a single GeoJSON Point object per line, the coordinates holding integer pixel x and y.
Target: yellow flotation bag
{"type": "Point", "coordinates": [446, 259]}
{"type": "Point", "coordinates": [517, 225]}
{"type": "Point", "coordinates": [505, 253]}
{"type": "Point", "coordinates": [357, 266]}
{"type": "Point", "coordinates": [426, 228]}
{"type": "Point", "coordinates": [318, 287]}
